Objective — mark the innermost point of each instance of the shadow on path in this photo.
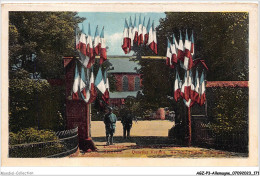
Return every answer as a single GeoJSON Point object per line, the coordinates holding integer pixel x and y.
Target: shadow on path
{"type": "Point", "coordinates": [140, 140]}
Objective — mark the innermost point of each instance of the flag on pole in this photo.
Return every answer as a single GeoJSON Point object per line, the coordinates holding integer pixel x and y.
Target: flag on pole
{"type": "Point", "coordinates": [169, 54]}
{"type": "Point", "coordinates": [91, 93]}
{"type": "Point", "coordinates": [131, 34]}
{"type": "Point", "coordinates": [84, 60]}
{"type": "Point", "coordinates": [99, 82]}
{"type": "Point", "coordinates": [103, 50]}
{"type": "Point", "coordinates": [188, 62]}
{"type": "Point", "coordinates": [82, 41]}
{"type": "Point", "coordinates": [140, 32]}
{"type": "Point", "coordinates": [154, 47]}
{"type": "Point", "coordinates": [185, 90]}
{"type": "Point", "coordinates": [77, 39]}
{"type": "Point", "coordinates": [177, 88]}
{"type": "Point", "coordinates": [105, 96]}
{"type": "Point", "coordinates": [90, 53]}
{"type": "Point", "coordinates": [75, 95]}
{"type": "Point", "coordinates": [146, 36]}
{"type": "Point", "coordinates": [144, 31]}
{"type": "Point", "coordinates": [192, 88]}
{"type": "Point", "coordinates": [82, 85]}
{"type": "Point", "coordinates": [135, 31]}
{"type": "Point", "coordinates": [97, 42]}
{"type": "Point", "coordinates": [180, 54]}
{"type": "Point", "coordinates": [125, 38]}
{"type": "Point", "coordinates": [196, 95]}
{"type": "Point", "coordinates": [192, 49]}
{"type": "Point", "coordinates": [189, 90]}
{"type": "Point", "coordinates": [173, 50]}
{"type": "Point", "coordinates": [202, 89]}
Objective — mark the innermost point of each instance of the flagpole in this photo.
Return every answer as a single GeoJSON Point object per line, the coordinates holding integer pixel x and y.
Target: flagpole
{"type": "Point", "coordinates": [90, 120]}
{"type": "Point", "coordinates": [87, 122]}
{"type": "Point", "coordinates": [189, 127]}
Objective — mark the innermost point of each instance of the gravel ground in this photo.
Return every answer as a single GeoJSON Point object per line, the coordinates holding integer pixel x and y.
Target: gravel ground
{"type": "Point", "coordinates": [149, 139]}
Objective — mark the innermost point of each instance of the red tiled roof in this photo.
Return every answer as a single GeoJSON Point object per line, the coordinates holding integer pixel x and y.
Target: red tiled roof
{"type": "Point", "coordinates": [227, 84]}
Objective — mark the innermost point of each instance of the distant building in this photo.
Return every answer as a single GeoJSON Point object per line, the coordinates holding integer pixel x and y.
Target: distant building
{"type": "Point", "coordinates": [128, 80]}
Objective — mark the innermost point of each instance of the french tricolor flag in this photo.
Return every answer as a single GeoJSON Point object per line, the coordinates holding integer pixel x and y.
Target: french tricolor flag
{"type": "Point", "coordinates": [192, 88]}
{"type": "Point", "coordinates": [91, 93]}
{"type": "Point", "coordinates": [188, 62]}
{"type": "Point", "coordinates": [82, 85]}
{"type": "Point", "coordinates": [125, 38]}
{"type": "Point", "coordinates": [177, 88]}
{"type": "Point", "coordinates": [82, 42]}
{"type": "Point", "coordinates": [77, 39]}
{"type": "Point", "coordinates": [173, 49]}
{"type": "Point", "coordinates": [152, 40]}
{"type": "Point", "coordinates": [97, 42]}
{"type": "Point", "coordinates": [196, 95]}
{"type": "Point", "coordinates": [202, 89]}
{"type": "Point", "coordinates": [146, 36]}
{"type": "Point", "coordinates": [140, 32]}
{"type": "Point", "coordinates": [180, 54]}
{"type": "Point", "coordinates": [185, 90]}
{"type": "Point", "coordinates": [99, 82]}
{"type": "Point", "coordinates": [131, 34]}
{"type": "Point", "coordinates": [75, 88]}
{"type": "Point", "coordinates": [192, 44]}
{"type": "Point", "coordinates": [144, 31]}
{"type": "Point", "coordinates": [154, 43]}
{"type": "Point", "coordinates": [103, 50]}
{"type": "Point", "coordinates": [90, 52]}
{"type": "Point", "coordinates": [135, 31]}
{"type": "Point", "coordinates": [169, 54]}
{"type": "Point", "coordinates": [105, 96]}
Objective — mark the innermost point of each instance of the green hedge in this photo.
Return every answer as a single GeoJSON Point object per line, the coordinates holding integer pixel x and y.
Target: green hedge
{"type": "Point", "coordinates": [34, 103]}
{"type": "Point", "coordinates": [30, 136]}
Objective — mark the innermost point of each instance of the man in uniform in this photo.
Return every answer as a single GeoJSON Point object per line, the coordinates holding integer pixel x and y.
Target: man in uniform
{"type": "Point", "coordinates": [110, 124]}
{"type": "Point", "coordinates": [127, 121]}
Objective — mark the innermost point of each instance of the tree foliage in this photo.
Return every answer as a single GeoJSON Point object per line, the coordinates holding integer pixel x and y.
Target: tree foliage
{"type": "Point", "coordinates": [221, 39]}
{"type": "Point", "coordinates": [229, 107]}
{"type": "Point", "coordinates": [39, 40]}
{"type": "Point", "coordinates": [34, 103]}
{"type": "Point", "coordinates": [37, 43]}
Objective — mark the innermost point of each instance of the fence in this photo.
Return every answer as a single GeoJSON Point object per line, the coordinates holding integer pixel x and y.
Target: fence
{"type": "Point", "coordinates": [64, 146]}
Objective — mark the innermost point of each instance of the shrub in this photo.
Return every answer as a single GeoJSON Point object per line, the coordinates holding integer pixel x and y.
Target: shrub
{"type": "Point", "coordinates": [32, 136]}
{"type": "Point", "coordinates": [34, 103]}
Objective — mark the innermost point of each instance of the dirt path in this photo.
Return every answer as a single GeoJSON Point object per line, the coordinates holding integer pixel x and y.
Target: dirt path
{"type": "Point", "coordinates": [149, 139]}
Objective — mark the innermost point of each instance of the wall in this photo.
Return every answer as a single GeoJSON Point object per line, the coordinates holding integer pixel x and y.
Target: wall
{"type": "Point", "coordinates": [131, 81]}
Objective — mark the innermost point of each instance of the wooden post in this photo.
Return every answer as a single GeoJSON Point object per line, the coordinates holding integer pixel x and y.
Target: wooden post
{"type": "Point", "coordinates": [189, 127]}
{"type": "Point", "coordinates": [90, 115]}
{"type": "Point", "coordinates": [87, 122]}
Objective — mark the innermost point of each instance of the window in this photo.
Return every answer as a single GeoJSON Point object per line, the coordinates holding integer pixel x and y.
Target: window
{"type": "Point", "coordinates": [125, 83]}
{"type": "Point", "coordinates": [137, 83]}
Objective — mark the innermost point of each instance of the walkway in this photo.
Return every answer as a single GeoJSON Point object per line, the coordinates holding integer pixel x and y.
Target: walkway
{"type": "Point", "coordinates": [149, 139]}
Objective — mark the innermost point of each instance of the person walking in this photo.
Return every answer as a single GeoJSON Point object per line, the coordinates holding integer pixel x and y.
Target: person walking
{"type": "Point", "coordinates": [110, 124]}
{"type": "Point", "coordinates": [127, 121]}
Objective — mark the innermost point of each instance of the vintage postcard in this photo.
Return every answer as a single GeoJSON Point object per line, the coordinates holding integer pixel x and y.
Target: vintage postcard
{"type": "Point", "coordinates": [130, 84]}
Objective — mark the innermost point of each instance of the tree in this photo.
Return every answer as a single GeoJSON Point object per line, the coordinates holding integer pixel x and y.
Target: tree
{"type": "Point", "coordinates": [221, 39]}
{"type": "Point", "coordinates": [39, 40]}
{"type": "Point", "coordinates": [37, 43]}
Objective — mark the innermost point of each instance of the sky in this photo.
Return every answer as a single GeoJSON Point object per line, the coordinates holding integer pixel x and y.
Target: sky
{"type": "Point", "coordinates": [114, 25]}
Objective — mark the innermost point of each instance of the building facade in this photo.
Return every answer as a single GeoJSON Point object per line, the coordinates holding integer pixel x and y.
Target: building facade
{"type": "Point", "coordinates": [128, 80]}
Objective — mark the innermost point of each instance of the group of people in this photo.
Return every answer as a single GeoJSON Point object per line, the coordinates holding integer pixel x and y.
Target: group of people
{"type": "Point", "coordinates": [110, 125]}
